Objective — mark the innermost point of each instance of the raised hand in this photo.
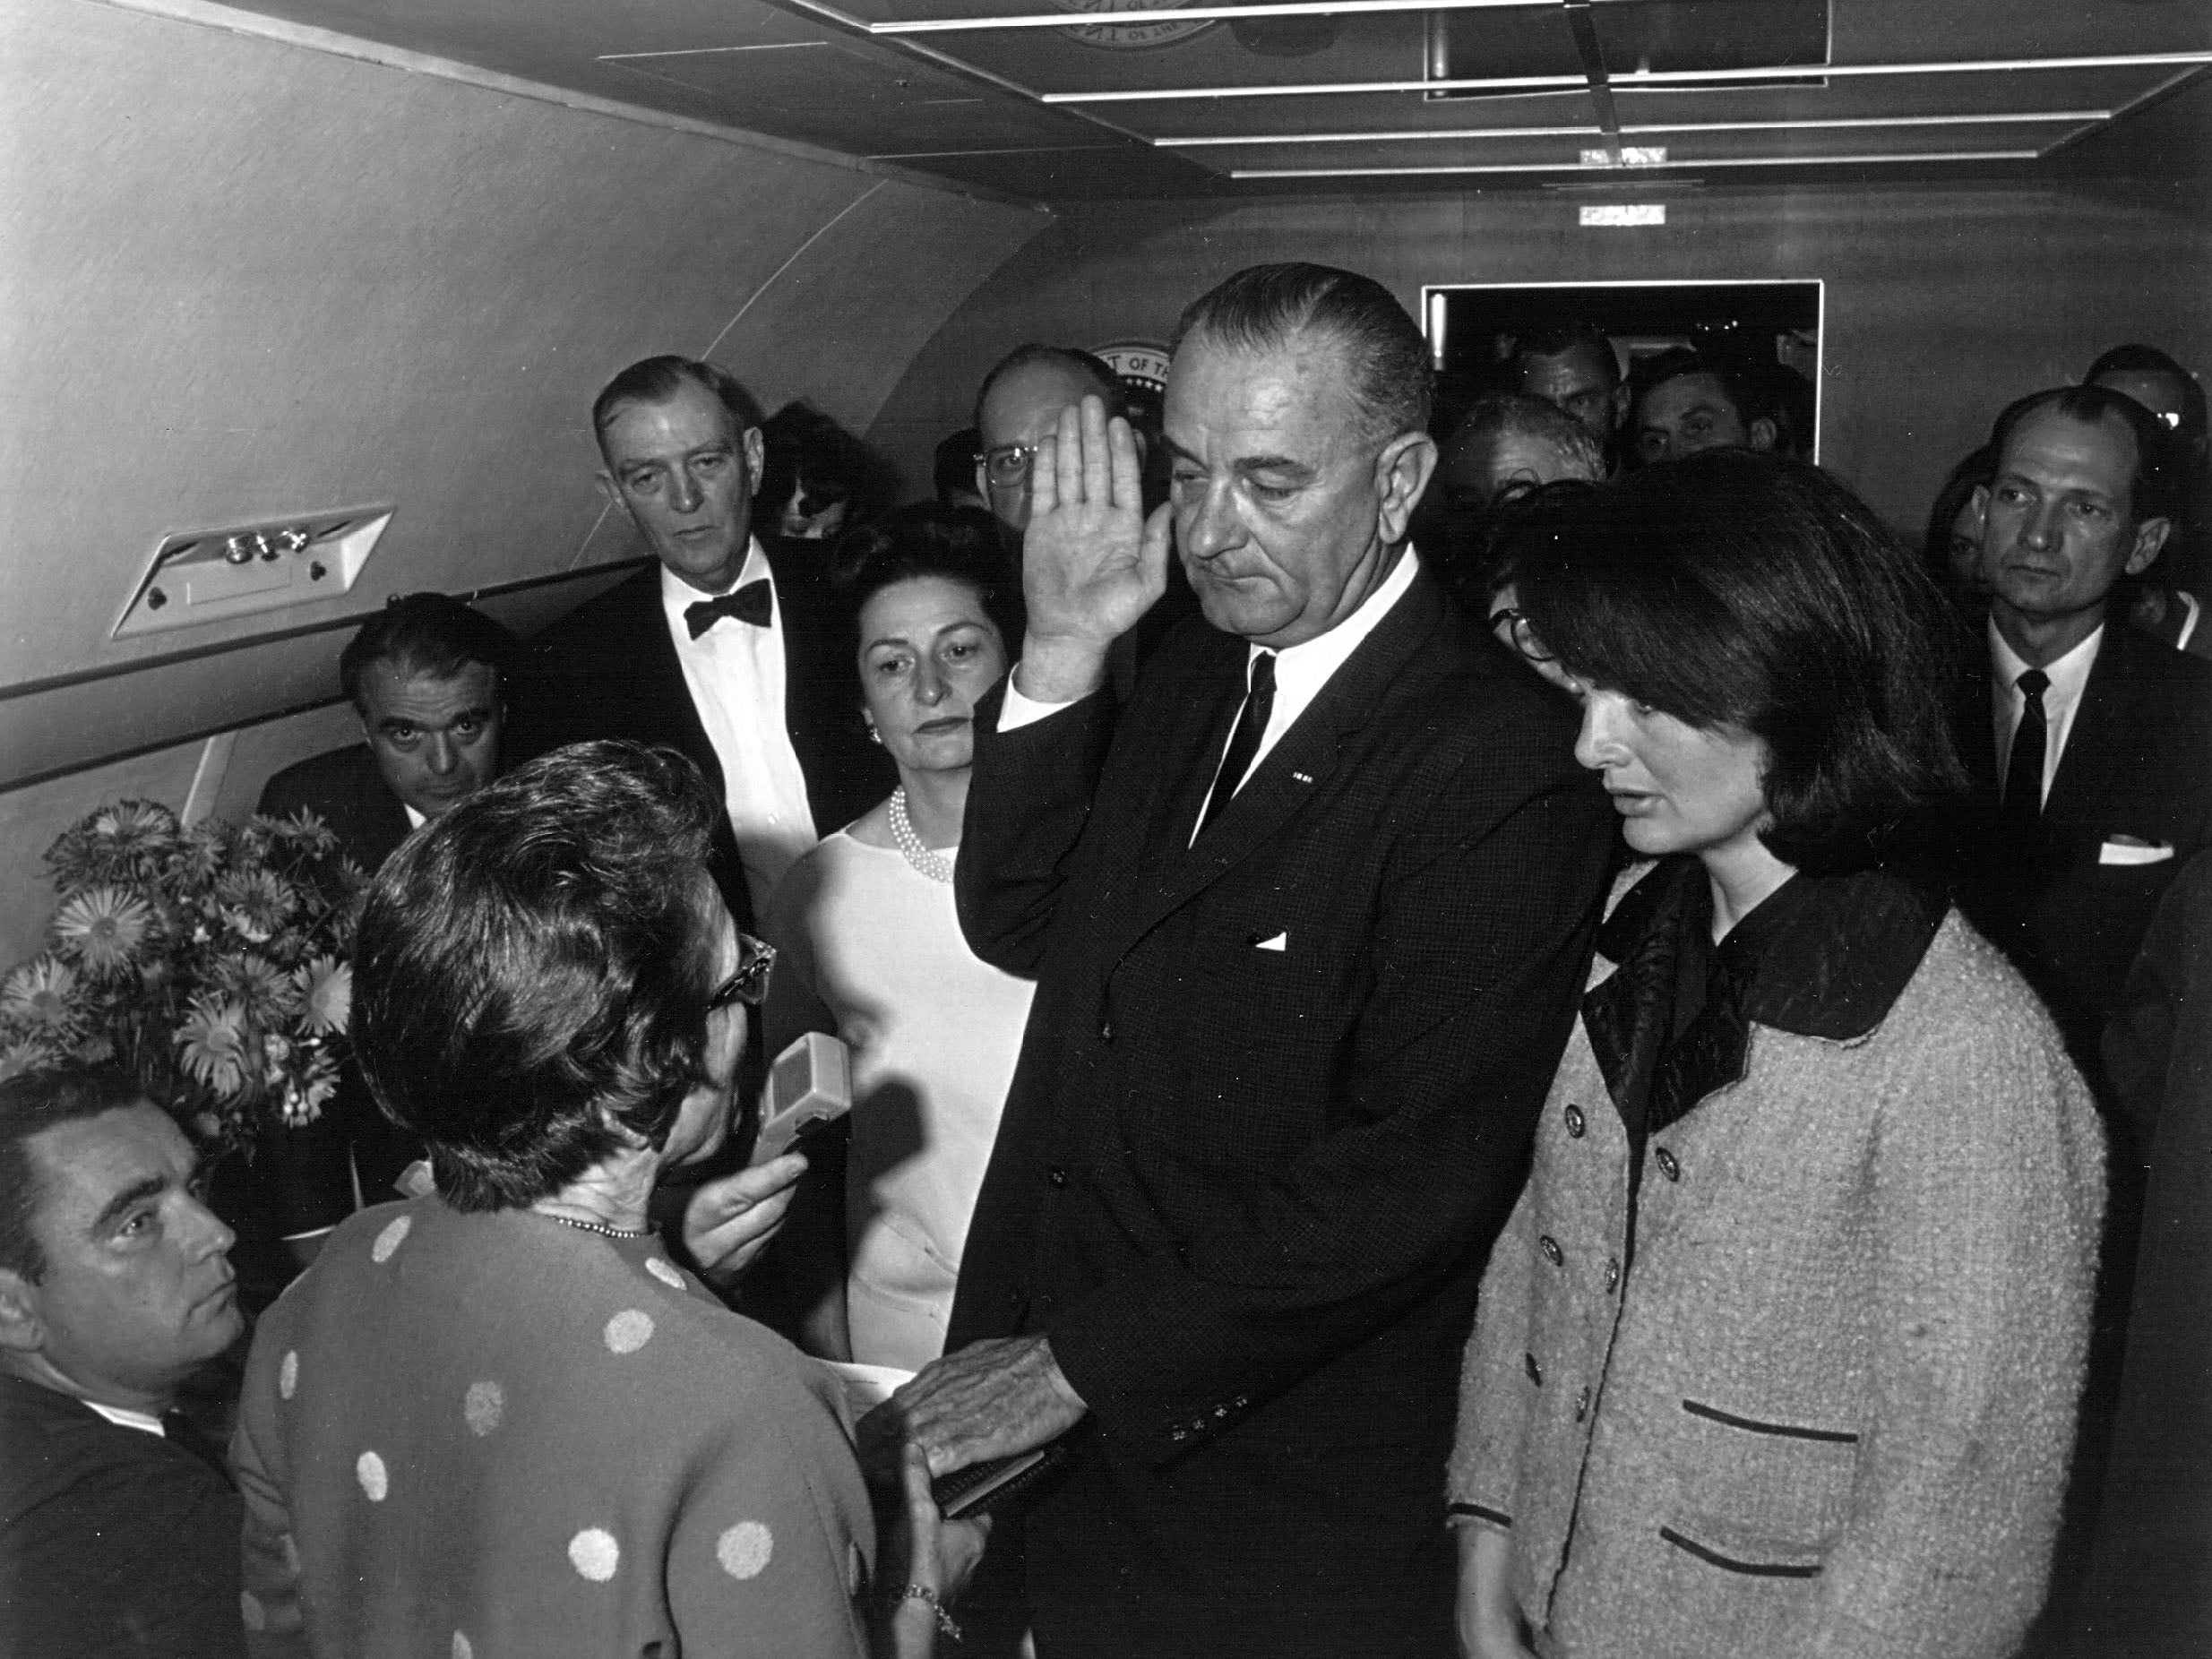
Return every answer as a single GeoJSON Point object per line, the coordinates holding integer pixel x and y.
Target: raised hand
{"type": "Point", "coordinates": [1091, 562]}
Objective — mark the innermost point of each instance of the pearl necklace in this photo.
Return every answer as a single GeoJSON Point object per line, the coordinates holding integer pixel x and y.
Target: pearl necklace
{"type": "Point", "coordinates": [597, 1226]}
{"type": "Point", "coordinates": [936, 866]}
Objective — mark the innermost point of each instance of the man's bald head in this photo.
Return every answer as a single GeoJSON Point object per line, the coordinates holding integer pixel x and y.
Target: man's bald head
{"type": "Point", "coordinates": [1019, 403]}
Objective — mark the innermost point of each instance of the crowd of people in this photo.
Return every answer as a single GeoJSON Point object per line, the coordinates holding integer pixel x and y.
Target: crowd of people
{"type": "Point", "coordinates": [1519, 1035]}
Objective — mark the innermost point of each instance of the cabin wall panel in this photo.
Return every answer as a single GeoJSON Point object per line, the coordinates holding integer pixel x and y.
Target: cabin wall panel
{"type": "Point", "coordinates": [1942, 304]}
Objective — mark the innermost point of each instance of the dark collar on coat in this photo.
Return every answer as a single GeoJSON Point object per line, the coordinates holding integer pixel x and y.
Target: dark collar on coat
{"type": "Point", "coordinates": [1822, 956]}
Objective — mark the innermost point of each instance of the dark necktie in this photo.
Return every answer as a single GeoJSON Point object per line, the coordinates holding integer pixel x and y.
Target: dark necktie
{"type": "Point", "coordinates": [1252, 724]}
{"type": "Point", "coordinates": [180, 1431]}
{"type": "Point", "coordinates": [2023, 802]}
{"type": "Point", "coordinates": [749, 604]}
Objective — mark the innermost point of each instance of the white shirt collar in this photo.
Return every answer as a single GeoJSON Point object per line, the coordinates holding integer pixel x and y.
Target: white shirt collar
{"type": "Point", "coordinates": [122, 1417]}
{"type": "Point", "coordinates": [1301, 670]}
{"type": "Point", "coordinates": [2061, 699]}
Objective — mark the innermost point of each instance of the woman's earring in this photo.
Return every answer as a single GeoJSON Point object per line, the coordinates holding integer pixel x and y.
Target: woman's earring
{"type": "Point", "coordinates": [875, 736]}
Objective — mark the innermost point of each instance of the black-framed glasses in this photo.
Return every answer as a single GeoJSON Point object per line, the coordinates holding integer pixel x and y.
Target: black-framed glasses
{"type": "Point", "coordinates": [749, 983]}
{"type": "Point", "coordinates": [1009, 464]}
{"type": "Point", "coordinates": [1510, 626]}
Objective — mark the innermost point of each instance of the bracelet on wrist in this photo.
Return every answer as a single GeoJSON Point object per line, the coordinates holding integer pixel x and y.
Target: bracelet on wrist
{"type": "Point", "coordinates": [947, 1626]}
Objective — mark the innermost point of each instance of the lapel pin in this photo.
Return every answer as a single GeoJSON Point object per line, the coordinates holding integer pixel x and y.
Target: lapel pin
{"type": "Point", "coordinates": [1303, 778]}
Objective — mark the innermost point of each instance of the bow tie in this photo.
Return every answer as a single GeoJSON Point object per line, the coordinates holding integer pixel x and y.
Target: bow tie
{"type": "Point", "coordinates": [752, 602]}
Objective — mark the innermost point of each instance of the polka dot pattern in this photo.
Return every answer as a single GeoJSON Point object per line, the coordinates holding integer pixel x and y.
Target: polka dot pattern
{"type": "Point", "coordinates": [628, 1331]}
{"type": "Point", "coordinates": [291, 1555]}
{"type": "Point", "coordinates": [287, 1373]}
{"type": "Point", "coordinates": [594, 1553]}
{"type": "Point", "coordinates": [463, 1648]}
{"type": "Point", "coordinates": [250, 1609]}
{"type": "Point", "coordinates": [486, 1404]}
{"type": "Point", "coordinates": [368, 1468]}
{"type": "Point", "coordinates": [855, 1569]}
{"type": "Point", "coordinates": [390, 1239]}
{"type": "Point", "coordinates": [744, 1549]}
{"type": "Point", "coordinates": [666, 1272]}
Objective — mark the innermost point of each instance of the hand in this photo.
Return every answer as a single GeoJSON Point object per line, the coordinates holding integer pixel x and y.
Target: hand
{"type": "Point", "coordinates": [990, 1400]}
{"type": "Point", "coordinates": [921, 1547]}
{"type": "Point", "coordinates": [1489, 1624]}
{"type": "Point", "coordinates": [729, 1222]}
{"type": "Point", "coordinates": [1091, 563]}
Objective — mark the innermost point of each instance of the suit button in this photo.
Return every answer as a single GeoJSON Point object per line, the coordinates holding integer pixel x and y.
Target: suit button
{"type": "Point", "coordinates": [1575, 1125]}
{"type": "Point", "coordinates": [1178, 1434]}
{"type": "Point", "coordinates": [1669, 1165]}
{"type": "Point", "coordinates": [1582, 1403]}
{"type": "Point", "coordinates": [1105, 1031]}
{"type": "Point", "coordinates": [1535, 1370]}
{"type": "Point", "coordinates": [1552, 1251]}
{"type": "Point", "coordinates": [1221, 1413]}
{"type": "Point", "coordinates": [1057, 1175]}
{"type": "Point", "coordinates": [1613, 1275]}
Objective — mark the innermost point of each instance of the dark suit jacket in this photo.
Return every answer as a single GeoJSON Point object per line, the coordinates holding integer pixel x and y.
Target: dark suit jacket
{"type": "Point", "coordinates": [608, 669]}
{"type": "Point", "coordinates": [2138, 763]}
{"type": "Point", "coordinates": [112, 1542]}
{"type": "Point", "coordinates": [343, 787]}
{"type": "Point", "coordinates": [1248, 1190]}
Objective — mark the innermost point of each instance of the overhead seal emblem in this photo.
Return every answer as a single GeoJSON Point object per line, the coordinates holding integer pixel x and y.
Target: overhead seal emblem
{"type": "Point", "coordinates": [1130, 36]}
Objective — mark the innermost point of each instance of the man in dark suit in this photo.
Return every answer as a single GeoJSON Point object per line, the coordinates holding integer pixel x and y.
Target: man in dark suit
{"type": "Point", "coordinates": [429, 677]}
{"type": "Point", "coordinates": [730, 648]}
{"type": "Point", "coordinates": [118, 1525]}
{"type": "Point", "coordinates": [1307, 918]}
{"type": "Point", "coordinates": [2091, 744]}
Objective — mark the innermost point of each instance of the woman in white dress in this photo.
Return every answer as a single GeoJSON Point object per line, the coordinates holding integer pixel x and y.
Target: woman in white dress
{"type": "Point", "coordinates": [872, 951]}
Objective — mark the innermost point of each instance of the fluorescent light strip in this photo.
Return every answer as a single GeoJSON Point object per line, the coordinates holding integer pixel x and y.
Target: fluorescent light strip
{"type": "Point", "coordinates": [1587, 129]}
{"type": "Point", "coordinates": [1628, 172]}
{"type": "Point", "coordinates": [1176, 14]}
{"type": "Point", "coordinates": [1621, 83]}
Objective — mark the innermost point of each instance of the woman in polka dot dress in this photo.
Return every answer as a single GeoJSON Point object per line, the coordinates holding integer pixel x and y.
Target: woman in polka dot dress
{"type": "Point", "coordinates": [502, 1421]}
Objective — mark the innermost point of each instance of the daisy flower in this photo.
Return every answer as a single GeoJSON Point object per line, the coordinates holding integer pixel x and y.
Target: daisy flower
{"type": "Point", "coordinates": [103, 928]}
{"type": "Point", "coordinates": [42, 995]}
{"type": "Point", "coordinates": [325, 987]}
{"type": "Point", "coordinates": [17, 1058]}
{"type": "Point", "coordinates": [213, 1038]}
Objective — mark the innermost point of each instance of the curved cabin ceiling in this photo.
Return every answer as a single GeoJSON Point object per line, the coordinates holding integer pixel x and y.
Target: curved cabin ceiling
{"type": "Point", "coordinates": [1035, 98]}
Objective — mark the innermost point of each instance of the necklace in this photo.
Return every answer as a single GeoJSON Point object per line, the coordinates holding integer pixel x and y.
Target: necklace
{"type": "Point", "coordinates": [936, 866]}
{"type": "Point", "coordinates": [597, 1226]}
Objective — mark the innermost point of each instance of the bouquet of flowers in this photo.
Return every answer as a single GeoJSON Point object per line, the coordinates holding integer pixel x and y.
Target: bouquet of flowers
{"type": "Point", "coordinates": [210, 962]}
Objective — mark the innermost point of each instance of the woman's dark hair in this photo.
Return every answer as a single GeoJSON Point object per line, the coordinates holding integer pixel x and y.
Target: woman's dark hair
{"type": "Point", "coordinates": [806, 453]}
{"type": "Point", "coordinates": [1969, 475]}
{"type": "Point", "coordinates": [1732, 589]}
{"type": "Point", "coordinates": [533, 966]}
{"type": "Point", "coordinates": [961, 544]}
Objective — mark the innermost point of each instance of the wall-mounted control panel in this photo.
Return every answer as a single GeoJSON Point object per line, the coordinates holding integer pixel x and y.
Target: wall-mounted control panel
{"type": "Point", "coordinates": [205, 576]}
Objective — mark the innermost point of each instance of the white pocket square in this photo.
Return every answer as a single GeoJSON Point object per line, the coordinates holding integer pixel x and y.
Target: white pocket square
{"type": "Point", "coordinates": [1281, 941]}
{"type": "Point", "coordinates": [2119, 851]}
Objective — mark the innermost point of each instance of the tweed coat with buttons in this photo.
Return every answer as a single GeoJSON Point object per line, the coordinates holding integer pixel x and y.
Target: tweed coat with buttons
{"type": "Point", "coordinates": [1825, 1407]}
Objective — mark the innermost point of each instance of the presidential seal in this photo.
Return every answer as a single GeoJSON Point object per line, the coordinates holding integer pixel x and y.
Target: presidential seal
{"type": "Point", "coordinates": [1130, 36]}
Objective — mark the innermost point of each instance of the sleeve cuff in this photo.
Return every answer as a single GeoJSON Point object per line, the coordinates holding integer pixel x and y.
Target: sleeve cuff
{"type": "Point", "coordinates": [1477, 1515]}
{"type": "Point", "coordinates": [1018, 710]}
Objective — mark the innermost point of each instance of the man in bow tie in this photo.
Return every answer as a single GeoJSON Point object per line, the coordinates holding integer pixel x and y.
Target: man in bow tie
{"type": "Point", "coordinates": [732, 652]}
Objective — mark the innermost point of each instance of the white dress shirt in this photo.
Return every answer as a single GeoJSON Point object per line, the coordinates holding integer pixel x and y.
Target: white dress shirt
{"type": "Point", "coordinates": [736, 675]}
{"type": "Point", "coordinates": [1300, 670]}
{"type": "Point", "coordinates": [122, 1417]}
{"type": "Point", "coordinates": [2069, 675]}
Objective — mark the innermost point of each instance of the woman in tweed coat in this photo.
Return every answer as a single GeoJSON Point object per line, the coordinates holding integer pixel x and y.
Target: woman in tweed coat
{"type": "Point", "coordinates": [1780, 1350]}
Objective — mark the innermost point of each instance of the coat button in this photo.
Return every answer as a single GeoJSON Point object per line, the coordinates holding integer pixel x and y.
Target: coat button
{"type": "Point", "coordinates": [1057, 1175]}
{"type": "Point", "coordinates": [1575, 1125]}
{"type": "Point", "coordinates": [1582, 1403]}
{"type": "Point", "coordinates": [1613, 1275]}
{"type": "Point", "coordinates": [1552, 1251]}
{"type": "Point", "coordinates": [1178, 1434]}
{"type": "Point", "coordinates": [1668, 1165]}
{"type": "Point", "coordinates": [1536, 1372]}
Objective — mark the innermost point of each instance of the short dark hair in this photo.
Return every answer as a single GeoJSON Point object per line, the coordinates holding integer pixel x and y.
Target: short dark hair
{"type": "Point", "coordinates": [655, 379]}
{"type": "Point", "coordinates": [961, 544]}
{"type": "Point", "coordinates": [535, 962]}
{"type": "Point", "coordinates": [1556, 339]}
{"type": "Point", "coordinates": [953, 469]}
{"type": "Point", "coordinates": [428, 633]}
{"type": "Point", "coordinates": [1263, 307]}
{"type": "Point", "coordinates": [1735, 589]}
{"type": "Point", "coordinates": [807, 452]}
{"type": "Point", "coordinates": [31, 1103]}
{"type": "Point", "coordinates": [1088, 365]}
{"type": "Point", "coordinates": [2140, 359]}
{"type": "Point", "coordinates": [1745, 390]}
{"type": "Point", "coordinates": [2151, 490]}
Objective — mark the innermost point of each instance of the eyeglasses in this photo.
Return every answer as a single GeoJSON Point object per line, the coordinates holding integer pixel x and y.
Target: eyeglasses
{"type": "Point", "coordinates": [749, 983]}
{"type": "Point", "coordinates": [1008, 464]}
{"type": "Point", "coordinates": [1510, 626]}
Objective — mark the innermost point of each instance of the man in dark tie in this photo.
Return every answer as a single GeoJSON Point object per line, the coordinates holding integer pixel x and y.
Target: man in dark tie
{"type": "Point", "coordinates": [118, 1525]}
{"type": "Point", "coordinates": [731, 648]}
{"type": "Point", "coordinates": [2092, 742]}
{"type": "Point", "coordinates": [1307, 915]}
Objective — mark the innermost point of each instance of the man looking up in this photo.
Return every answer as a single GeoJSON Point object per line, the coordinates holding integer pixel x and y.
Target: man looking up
{"type": "Point", "coordinates": [428, 676]}
{"type": "Point", "coordinates": [1573, 367]}
{"type": "Point", "coordinates": [118, 1526]}
{"type": "Point", "coordinates": [732, 652]}
{"type": "Point", "coordinates": [1018, 407]}
{"type": "Point", "coordinates": [1686, 402]}
{"type": "Point", "coordinates": [1307, 915]}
